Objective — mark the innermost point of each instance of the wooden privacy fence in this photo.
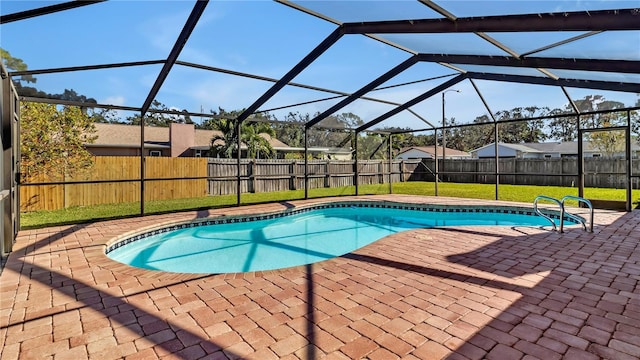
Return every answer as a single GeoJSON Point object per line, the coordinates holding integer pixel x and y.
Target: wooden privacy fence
{"type": "Point", "coordinates": [599, 172]}
{"type": "Point", "coordinates": [284, 175]}
{"type": "Point", "coordinates": [124, 174]}
{"type": "Point", "coordinates": [219, 177]}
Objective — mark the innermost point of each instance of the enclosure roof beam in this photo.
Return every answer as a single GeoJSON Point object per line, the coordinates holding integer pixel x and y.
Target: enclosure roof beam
{"type": "Point", "coordinates": [308, 11]}
{"type": "Point", "coordinates": [619, 19]}
{"type": "Point", "coordinates": [573, 104]}
{"type": "Point", "coordinates": [619, 66]}
{"type": "Point", "coordinates": [545, 117]}
{"type": "Point", "coordinates": [295, 71]}
{"type": "Point", "coordinates": [365, 89]}
{"type": "Point", "coordinates": [412, 102]}
{"type": "Point", "coordinates": [191, 23]}
{"type": "Point", "coordinates": [85, 67]}
{"type": "Point", "coordinates": [484, 101]}
{"type": "Point", "coordinates": [561, 42]}
{"type": "Point", "coordinates": [82, 104]}
{"type": "Point", "coordinates": [45, 10]}
{"type": "Point", "coordinates": [187, 64]}
{"type": "Point", "coordinates": [575, 83]}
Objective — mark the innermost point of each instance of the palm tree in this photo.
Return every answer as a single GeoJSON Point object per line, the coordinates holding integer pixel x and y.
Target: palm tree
{"type": "Point", "coordinates": [225, 144]}
{"type": "Point", "coordinates": [255, 136]}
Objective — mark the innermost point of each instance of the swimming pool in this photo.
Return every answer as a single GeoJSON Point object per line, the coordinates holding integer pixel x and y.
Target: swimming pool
{"type": "Point", "coordinates": [296, 237]}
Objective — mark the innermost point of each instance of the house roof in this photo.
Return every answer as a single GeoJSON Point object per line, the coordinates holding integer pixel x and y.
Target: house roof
{"type": "Point", "coordinates": [203, 137]}
{"type": "Point", "coordinates": [430, 149]}
{"type": "Point", "coordinates": [518, 147]}
{"type": "Point", "coordinates": [122, 135]}
{"type": "Point", "coordinates": [275, 143]}
{"type": "Point", "coordinates": [560, 147]}
{"type": "Point", "coordinates": [566, 147]}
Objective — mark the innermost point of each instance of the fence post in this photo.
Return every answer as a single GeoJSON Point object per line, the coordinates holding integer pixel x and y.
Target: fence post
{"type": "Point", "coordinates": [561, 171]}
{"type": "Point", "coordinates": [293, 178]}
{"type": "Point", "coordinates": [477, 166]}
{"type": "Point", "coordinates": [212, 171]}
{"type": "Point", "coordinates": [251, 180]}
{"type": "Point", "coordinates": [65, 191]}
{"type": "Point", "coordinates": [402, 170]}
{"type": "Point", "coordinates": [327, 174]}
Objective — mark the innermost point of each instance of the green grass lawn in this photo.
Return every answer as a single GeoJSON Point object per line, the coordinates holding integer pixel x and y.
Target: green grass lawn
{"type": "Point", "coordinates": [517, 193]}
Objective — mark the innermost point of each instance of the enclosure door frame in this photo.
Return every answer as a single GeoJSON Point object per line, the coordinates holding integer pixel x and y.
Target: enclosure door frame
{"type": "Point", "coordinates": [627, 153]}
{"type": "Point", "coordinates": [10, 140]}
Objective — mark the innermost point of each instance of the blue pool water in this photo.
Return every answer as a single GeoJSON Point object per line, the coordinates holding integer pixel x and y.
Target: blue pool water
{"type": "Point", "coordinates": [284, 241]}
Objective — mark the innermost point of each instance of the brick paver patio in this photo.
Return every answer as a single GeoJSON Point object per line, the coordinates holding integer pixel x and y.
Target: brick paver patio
{"type": "Point", "coordinates": [449, 293]}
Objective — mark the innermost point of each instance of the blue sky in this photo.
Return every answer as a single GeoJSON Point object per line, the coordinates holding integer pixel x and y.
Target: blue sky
{"type": "Point", "coordinates": [268, 38]}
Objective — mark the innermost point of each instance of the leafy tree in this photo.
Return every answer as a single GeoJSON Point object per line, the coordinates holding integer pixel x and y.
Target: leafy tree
{"type": "Point", "coordinates": [372, 146]}
{"type": "Point", "coordinates": [562, 128]}
{"type": "Point", "coordinates": [399, 141]}
{"type": "Point", "coordinates": [291, 132]}
{"type": "Point", "coordinates": [334, 131]}
{"type": "Point", "coordinates": [468, 138]}
{"type": "Point", "coordinates": [471, 137]}
{"type": "Point", "coordinates": [72, 95]}
{"type": "Point", "coordinates": [104, 116]}
{"type": "Point", "coordinates": [455, 138]}
{"type": "Point", "coordinates": [635, 121]}
{"type": "Point", "coordinates": [161, 118]}
{"type": "Point", "coordinates": [405, 140]}
{"type": "Point", "coordinates": [349, 120]}
{"type": "Point", "coordinates": [52, 140]}
{"type": "Point", "coordinates": [52, 137]}
{"type": "Point", "coordinates": [522, 131]}
{"type": "Point", "coordinates": [16, 64]}
{"type": "Point", "coordinates": [329, 138]}
{"type": "Point", "coordinates": [607, 142]}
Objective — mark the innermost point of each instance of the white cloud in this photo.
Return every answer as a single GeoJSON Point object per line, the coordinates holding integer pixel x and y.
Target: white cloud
{"type": "Point", "coordinates": [162, 31]}
{"type": "Point", "coordinates": [113, 100]}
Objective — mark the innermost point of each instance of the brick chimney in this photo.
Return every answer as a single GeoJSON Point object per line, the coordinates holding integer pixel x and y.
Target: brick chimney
{"type": "Point", "coordinates": [181, 137]}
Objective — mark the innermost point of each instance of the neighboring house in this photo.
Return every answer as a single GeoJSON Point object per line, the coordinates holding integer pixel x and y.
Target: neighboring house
{"type": "Point", "coordinates": [427, 152]}
{"type": "Point", "coordinates": [124, 140]}
{"type": "Point", "coordinates": [181, 140]}
{"type": "Point", "coordinates": [542, 150]}
{"type": "Point", "coordinates": [202, 146]}
{"type": "Point", "coordinates": [177, 140]}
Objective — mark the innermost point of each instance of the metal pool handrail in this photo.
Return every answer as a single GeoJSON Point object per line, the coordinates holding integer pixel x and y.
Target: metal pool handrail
{"type": "Point", "coordinates": [563, 212]}
{"type": "Point", "coordinates": [579, 219]}
{"type": "Point", "coordinates": [543, 197]}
